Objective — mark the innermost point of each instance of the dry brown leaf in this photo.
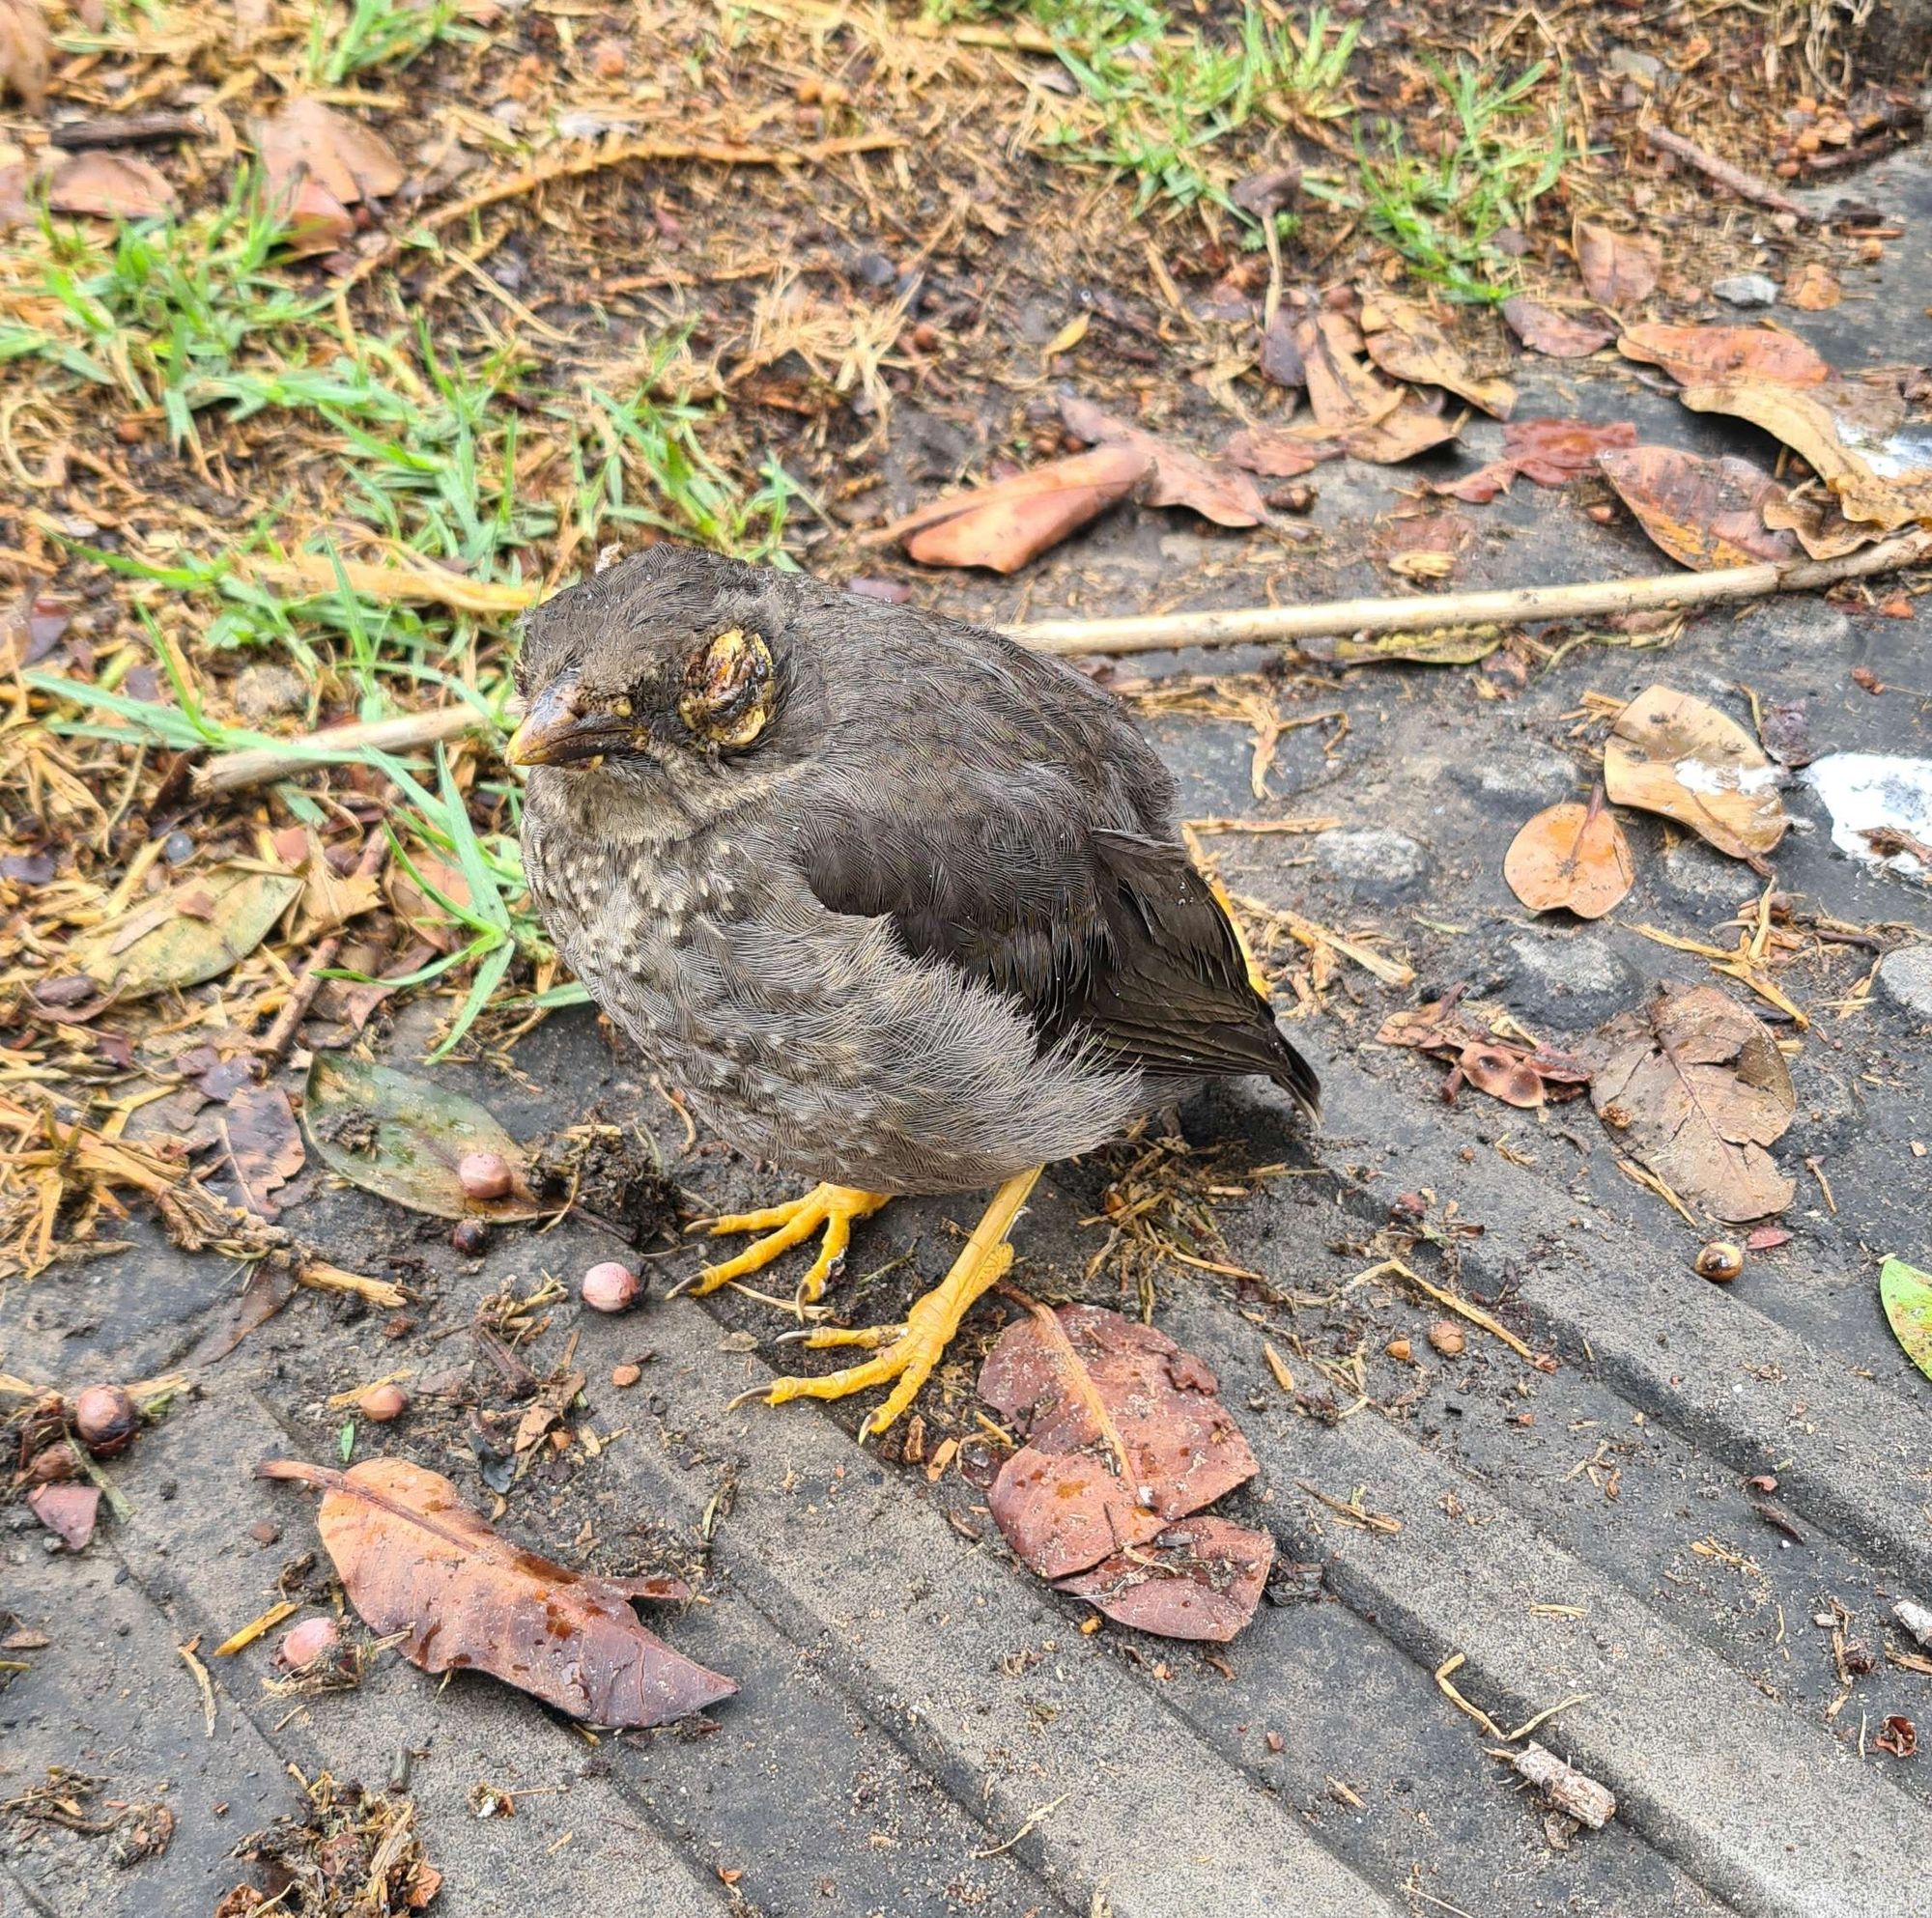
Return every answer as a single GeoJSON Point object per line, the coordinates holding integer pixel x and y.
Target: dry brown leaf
{"type": "Point", "coordinates": [1850, 436]}
{"type": "Point", "coordinates": [68, 1510]}
{"type": "Point", "coordinates": [1813, 289]}
{"type": "Point", "coordinates": [329, 899]}
{"type": "Point", "coordinates": [1502, 1072]}
{"type": "Point", "coordinates": [110, 187]}
{"type": "Point", "coordinates": [1709, 355]}
{"type": "Point", "coordinates": [415, 1559]}
{"type": "Point", "coordinates": [257, 1128]}
{"type": "Point", "coordinates": [1672, 753]}
{"type": "Point", "coordinates": [1200, 1579]}
{"type": "Point", "coordinates": [1406, 341]}
{"type": "Point", "coordinates": [1551, 452]}
{"type": "Point", "coordinates": [190, 933]}
{"type": "Point", "coordinates": [1177, 476]}
{"type": "Point", "coordinates": [1013, 520]}
{"type": "Point", "coordinates": [1344, 394]}
{"type": "Point", "coordinates": [1696, 1090]}
{"type": "Point", "coordinates": [1277, 452]}
{"type": "Point", "coordinates": [1124, 1436]}
{"type": "Point", "coordinates": [1544, 331]}
{"type": "Point", "coordinates": [26, 52]}
{"type": "Point", "coordinates": [1518, 1075]}
{"type": "Point", "coordinates": [1703, 513]}
{"type": "Point", "coordinates": [1572, 857]}
{"type": "Point", "coordinates": [1822, 529]}
{"type": "Point", "coordinates": [1618, 268]}
{"type": "Point", "coordinates": [1402, 434]}
{"type": "Point", "coordinates": [306, 140]}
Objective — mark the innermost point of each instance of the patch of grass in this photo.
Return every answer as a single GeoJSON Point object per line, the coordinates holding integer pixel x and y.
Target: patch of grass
{"type": "Point", "coordinates": [1446, 215]}
{"type": "Point", "coordinates": [372, 33]}
{"type": "Point", "coordinates": [1159, 104]}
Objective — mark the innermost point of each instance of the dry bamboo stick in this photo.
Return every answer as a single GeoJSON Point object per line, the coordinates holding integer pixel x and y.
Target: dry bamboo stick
{"type": "Point", "coordinates": [1511, 605]}
{"type": "Point", "coordinates": [257, 765]}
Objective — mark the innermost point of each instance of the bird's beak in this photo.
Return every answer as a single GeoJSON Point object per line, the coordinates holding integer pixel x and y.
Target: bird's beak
{"type": "Point", "coordinates": [563, 726]}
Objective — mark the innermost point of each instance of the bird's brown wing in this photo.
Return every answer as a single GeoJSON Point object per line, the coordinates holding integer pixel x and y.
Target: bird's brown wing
{"type": "Point", "coordinates": [1105, 934]}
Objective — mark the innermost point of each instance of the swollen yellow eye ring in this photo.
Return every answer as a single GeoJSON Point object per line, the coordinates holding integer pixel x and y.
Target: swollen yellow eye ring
{"type": "Point", "coordinates": [728, 689]}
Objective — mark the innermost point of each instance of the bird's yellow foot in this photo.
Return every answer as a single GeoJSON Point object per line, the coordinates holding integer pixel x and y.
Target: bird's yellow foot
{"type": "Point", "coordinates": [914, 1348]}
{"type": "Point", "coordinates": [830, 1207]}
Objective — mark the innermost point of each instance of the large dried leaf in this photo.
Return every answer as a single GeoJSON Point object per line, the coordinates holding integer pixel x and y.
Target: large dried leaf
{"type": "Point", "coordinates": [1344, 394]}
{"type": "Point", "coordinates": [110, 187]}
{"type": "Point", "coordinates": [1125, 1434]}
{"type": "Point", "coordinates": [1710, 356]}
{"type": "Point", "coordinates": [1200, 1579]}
{"type": "Point", "coordinates": [1618, 268]}
{"type": "Point", "coordinates": [194, 931]}
{"type": "Point", "coordinates": [1551, 452]}
{"type": "Point", "coordinates": [1672, 753]}
{"type": "Point", "coordinates": [1177, 476]}
{"type": "Point", "coordinates": [1406, 341]}
{"type": "Point", "coordinates": [403, 1138]}
{"type": "Point", "coordinates": [329, 899]}
{"type": "Point", "coordinates": [1850, 435]}
{"type": "Point", "coordinates": [1504, 1073]}
{"type": "Point", "coordinates": [1278, 452]}
{"type": "Point", "coordinates": [26, 52]}
{"type": "Point", "coordinates": [1906, 1293]}
{"type": "Point", "coordinates": [305, 139]}
{"type": "Point", "coordinates": [1696, 1090]}
{"type": "Point", "coordinates": [1572, 857]}
{"type": "Point", "coordinates": [1013, 520]}
{"type": "Point", "coordinates": [257, 1129]}
{"type": "Point", "coordinates": [1544, 331]}
{"type": "Point", "coordinates": [415, 1559]}
{"type": "Point", "coordinates": [1820, 524]}
{"type": "Point", "coordinates": [1703, 513]}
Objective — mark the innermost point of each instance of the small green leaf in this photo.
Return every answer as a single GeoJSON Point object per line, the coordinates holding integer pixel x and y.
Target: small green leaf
{"type": "Point", "coordinates": [403, 1138]}
{"type": "Point", "coordinates": [344, 1441]}
{"type": "Point", "coordinates": [1907, 1294]}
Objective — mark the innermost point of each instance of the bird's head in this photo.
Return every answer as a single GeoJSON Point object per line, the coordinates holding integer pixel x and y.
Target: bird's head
{"type": "Point", "coordinates": [662, 674]}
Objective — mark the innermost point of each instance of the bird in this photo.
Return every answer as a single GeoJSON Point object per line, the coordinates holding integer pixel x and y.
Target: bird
{"type": "Point", "coordinates": [899, 905]}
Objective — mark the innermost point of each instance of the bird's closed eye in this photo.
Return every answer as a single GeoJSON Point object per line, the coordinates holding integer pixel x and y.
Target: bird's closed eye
{"type": "Point", "coordinates": [728, 689]}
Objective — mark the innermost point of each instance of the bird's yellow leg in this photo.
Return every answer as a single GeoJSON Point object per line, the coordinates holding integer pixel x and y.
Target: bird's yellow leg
{"type": "Point", "coordinates": [912, 1350]}
{"type": "Point", "coordinates": [829, 1208]}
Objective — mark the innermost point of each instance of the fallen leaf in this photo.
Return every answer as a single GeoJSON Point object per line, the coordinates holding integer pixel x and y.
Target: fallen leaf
{"type": "Point", "coordinates": [258, 1132]}
{"type": "Point", "coordinates": [1906, 1293]}
{"type": "Point", "coordinates": [1344, 393]}
{"type": "Point", "coordinates": [1177, 478]}
{"type": "Point", "coordinates": [1406, 341]}
{"type": "Point", "coordinates": [1551, 452]}
{"type": "Point", "coordinates": [110, 187]}
{"type": "Point", "coordinates": [1849, 434]}
{"type": "Point", "coordinates": [329, 900]}
{"type": "Point", "coordinates": [1124, 1436]}
{"type": "Point", "coordinates": [1277, 453]}
{"type": "Point", "coordinates": [1820, 524]}
{"type": "Point", "coordinates": [162, 941]}
{"type": "Point", "coordinates": [304, 139]}
{"type": "Point", "coordinates": [1899, 1735]}
{"type": "Point", "coordinates": [1013, 520]}
{"type": "Point", "coordinates": [1696, 1090]}
{"type": "Point", "coordinates": [1280, 359]}
{"type": "Point", "coordinates": [1703, 513]}
{"type": "Point", "coordinates": [1199, 1580]}
{"type": "Point", "coordinates": [1672, 753]}
{"type": "Point", "coordinates": [1813, 289]}
{"type": "Point", "coordinates": [1557, 336]}
{"type": "Point", "coordinates": [1784, 731]}
{"type": "Point", "coordinates": [1411, 429]}
{"type": "Point", "coordinates": [415, 1559]}
{"type": "Point", "coordinates": [1618, 268]}
{"type": "Point", "coordinates": [1710, 356]}
{"type": "Point", "coordinates": [1572, 857]}
{"type": "Point", "coordinates": [1516, 1073]}
{"type": "Point", "coordinates": [1502, 1073]}
{"type": "Point", "coordinates": [68, 1510]}
{"type": "Point", "coordinates": [26, 52]}
{"type": "Point", "coordinates": [402, 1139]}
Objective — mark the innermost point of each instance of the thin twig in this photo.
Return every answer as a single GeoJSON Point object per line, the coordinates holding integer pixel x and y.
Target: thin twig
{"type": "Point", "coordinates": [257, 765]}
{"type": "Point", "coordinates": [1734, 179]}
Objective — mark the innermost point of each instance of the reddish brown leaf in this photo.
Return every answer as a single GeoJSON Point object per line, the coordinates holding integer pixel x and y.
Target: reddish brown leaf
{"type": "Point", "coordinates": [1408, 342]}
{"type": "Point", "coordinates": [1179, 477]}
{"type": "Point", "coordinates": [1821, 527]}
{"type": "Point", "coordinates": [1544, 331]}
{"type": "Point", "coordinates": [1010, 521]}
{"type": "Point", "coordinates": [1551, 452]}
{"type": "Point", "coordinates": [1813, 289]}
{"type": "Point", "coordinates": [1502, 1073]}
{"type": "Point", "coordinates": [1124, 1432]}
{"type": "Point", "coordinates": [1353, 405]}
{"type": "Point", "coordinates": [1618, 268]}
{"type": "Point", "coordinates": [1200, 1579]}
{"type": "Point", "coordinates": [306, 140]}
{"type": "Point", "coordinates": [1673, 754]}
{"type": "Point", "coordinates": [1703, 513]}
{"type": "Point", "coordinates": [1700, 355]}
{"type": "Point", "coordinates": [26, 52]}
{"type": "Point", "coordinates": [67, 1511]}
{"type": "Point", "coordinates": [1277, 453]}
{"type": "Point", "coordinates": [1571, 856]}
{"type": "Point", "coordinates": [1436, 1027]}
{"type": "Point", "coordinates": [414, 1558]}
{"type": "Point", "coordinates": [110, 187]}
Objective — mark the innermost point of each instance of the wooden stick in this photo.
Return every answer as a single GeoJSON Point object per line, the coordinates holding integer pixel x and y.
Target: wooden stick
{"type": "Point", "coordinates": [258, 765]}
{"type": "Point", "coordinates": [1510, 606]}
{"type": "Point", "coordinates": [1746, 186]}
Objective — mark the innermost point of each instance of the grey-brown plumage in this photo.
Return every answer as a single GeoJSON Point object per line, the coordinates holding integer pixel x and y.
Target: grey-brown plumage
{"type": "Point", "coordinates": [896, 903]}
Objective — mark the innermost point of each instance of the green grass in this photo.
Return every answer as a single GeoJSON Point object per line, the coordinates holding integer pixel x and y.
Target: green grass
{"type": "Point", "coordinates": [1446, 215]}
{"type": "Point", "coordinates": [1161, 104]}
{"type": "Point", "coordinates": [372, 33]}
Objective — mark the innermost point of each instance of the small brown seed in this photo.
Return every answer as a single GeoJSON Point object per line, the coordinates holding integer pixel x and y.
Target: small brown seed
{"type": "Point", "coordinates": [383, 1403]}
{"type": "Point", "coordinates": [623, 1375]}
{"type": "Point", "coordinates": [1447, 1337]}
{"type": "Point", "coordinates": [470, 1236]}
{"type": "Point", "coordinates": [1400, 1350]}
{"type": "Point", "coordinates": [610, 1286]}
{"type": "Point", "coordinates": [309, 1643]}
{"type": "Point", "coordinates": [483, 1175]}
{"type": "Point", "coordinates": [52, 1464]}
{"type": "Point", "coordinates": [1720, 1261]}
{"type": "Point", "coordinates": [105, 1418]}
